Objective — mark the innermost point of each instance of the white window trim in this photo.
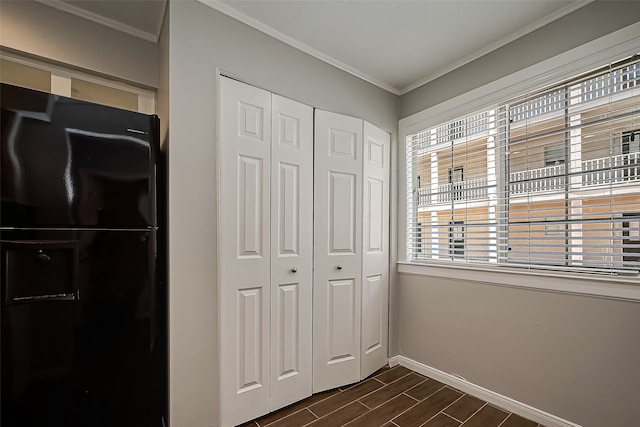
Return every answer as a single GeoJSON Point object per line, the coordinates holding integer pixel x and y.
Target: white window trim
{"type": "Point", "coordinates": [561, 282]}
{"type": "Point", "coordinates": [585, 58]}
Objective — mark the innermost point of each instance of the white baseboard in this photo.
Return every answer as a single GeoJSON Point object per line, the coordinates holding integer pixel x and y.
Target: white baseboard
{"type": "Point", "coordinates": [394, 361]}
{"type": "Point", "coordinates": [511, 405]}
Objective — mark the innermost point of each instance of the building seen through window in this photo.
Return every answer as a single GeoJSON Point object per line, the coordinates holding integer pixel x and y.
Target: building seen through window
{"type": "Point", "coordinates": [551, 180]}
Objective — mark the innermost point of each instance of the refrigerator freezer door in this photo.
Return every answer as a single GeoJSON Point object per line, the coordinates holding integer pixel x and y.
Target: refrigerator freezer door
{"type": "Point", "coordinates": [70, 163]}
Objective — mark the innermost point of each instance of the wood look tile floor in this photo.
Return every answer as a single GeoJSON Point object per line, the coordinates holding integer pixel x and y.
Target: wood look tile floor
{"type": "Point", "coordinates": [392, 397]}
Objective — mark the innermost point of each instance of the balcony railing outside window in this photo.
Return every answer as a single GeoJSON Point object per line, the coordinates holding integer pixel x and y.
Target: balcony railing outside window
{"type": "Point", "coordinates": [546, 103]}
{"type": "Point", "coordinates": [607, 170]}
{"type": "Point", "coordinates": [618, 81]}
{"type": "Point", "coordinates": [462, 128]}
{"type": "Point", "coordinates": [473, 189]}
{"type": "Point", "coordinates": [424, 196]}
{"type": "Point", "coordinates": [537, 180]}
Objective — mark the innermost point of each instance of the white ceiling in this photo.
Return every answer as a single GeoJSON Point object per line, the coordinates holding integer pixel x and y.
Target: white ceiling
{"type": "Point", "coordinates": [395, 44]}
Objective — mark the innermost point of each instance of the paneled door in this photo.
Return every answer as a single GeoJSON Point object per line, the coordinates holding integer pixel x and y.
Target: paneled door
{"type": "Point", "coordinates": [245, 276]}
{"type": "Point", "coordinates": [338, 248]}
{"type": "Point", "coordinates": [375, 250]}
{"type": "Point", "coordinates": [291, 251]}
{"type": "Point", "coordinates": [265, 251]}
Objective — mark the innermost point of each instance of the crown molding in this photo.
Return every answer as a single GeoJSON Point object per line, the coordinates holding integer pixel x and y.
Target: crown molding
{"type": "Point", "coordinates": [235, 14]}
{"type": "Point", "coordinates": [119, 26]}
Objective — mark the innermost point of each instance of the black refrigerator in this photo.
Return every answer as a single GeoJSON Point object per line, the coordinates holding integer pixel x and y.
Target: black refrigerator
{"type": "Point", "coordinates": [83, 264]}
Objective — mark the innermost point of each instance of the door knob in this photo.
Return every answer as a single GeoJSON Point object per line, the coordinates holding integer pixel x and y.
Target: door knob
{"type": "Point", "coordinates": [294, 270]}
{"type": "Point", "coordinates": [339, 267]}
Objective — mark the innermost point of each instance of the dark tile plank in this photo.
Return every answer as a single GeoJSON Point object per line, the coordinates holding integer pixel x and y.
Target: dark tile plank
{"type": "Point", "coordinates": [385, 368]}
{"type": "Point", "coordinates": [517, 421]}
{"type": "Point", "coordinates": [429, 407]}
{"type": "Point", "coordinates": [441, 420]}
{"type": "Point", "coordinates": [288, 410]}
{"type": "Point", "coordinates": [341, 416]}
{"type": "Point", "coordinates": [488, 416]}
{"type": "Point", "coordinates": [426, 389]}
{"type": "Point", "coordinates": [317, 397]}
{"type": "Point", "coordinates": [383, 413]}
{"type": "Point", "coordinates": [392, 374]}
{"type": "Point", "coordinates": [345, 397]}
{"type": "Point", "coordinates": [464, 407]}
{"type": "Point", "coordinates": [249, 424]}
{"type": "Point", "coordinates": [389, 391]}
{"type": "Point", "coordinates": [297, 419]}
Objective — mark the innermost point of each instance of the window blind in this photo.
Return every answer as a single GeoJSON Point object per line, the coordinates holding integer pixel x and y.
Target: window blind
{"type": "Point", "coordinates": [550, 180]}
{"type": "Point", "coordinates": [452, 170]}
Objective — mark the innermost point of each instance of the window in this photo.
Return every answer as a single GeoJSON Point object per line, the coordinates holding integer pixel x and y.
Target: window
{"type": "Point", "coordinates": [550, 180]}
{"type": "Point", "coordinates": [631, 237]}
{"type": "Point", "coordinates": [553, 156]}
{"type": "Point", "coordinates": [631, 154]}
{"type": "Point", "coordinates": [453, 177]}
{"type": "Point", "coordinates": [456, 239]}
{"type": "Point", "coordinates": [456, 175]}
{"type": "Point", "coordinates": [631, 142]}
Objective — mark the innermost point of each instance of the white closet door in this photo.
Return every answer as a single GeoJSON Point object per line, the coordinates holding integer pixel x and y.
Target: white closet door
{"type": "Point", "coordinates": [244, 226]}
{"type": "Point", "coordinates": [291, 251]}
{"type": "Point", "coordinates": [375, 249]}
{"type": "Point", "coordinates": [338, 245]}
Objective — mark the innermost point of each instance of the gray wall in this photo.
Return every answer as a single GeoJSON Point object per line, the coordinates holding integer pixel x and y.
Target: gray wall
{"type": "Point", "coordinates": [201, 41]}
{"type": "Point", "coordinates": [44, 32]}
{"type": "Point", "coordinates": [575, 357]}
{"type": "Point", "coordinates": [588, 23]}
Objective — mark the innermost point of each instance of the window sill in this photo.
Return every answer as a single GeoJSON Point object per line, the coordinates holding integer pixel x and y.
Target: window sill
{"type": "Point", "coordinates": [620, 288]}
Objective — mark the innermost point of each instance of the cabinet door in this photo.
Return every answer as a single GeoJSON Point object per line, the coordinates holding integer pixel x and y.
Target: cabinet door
{"type": "Point", "coordinates": [291, 251]}
{"type": "Point", "coordinates": [244, 232]}
{"type": "Point", "coordinates": [375, 250]}
{"type": "Point", "coordinates": [338, 245]}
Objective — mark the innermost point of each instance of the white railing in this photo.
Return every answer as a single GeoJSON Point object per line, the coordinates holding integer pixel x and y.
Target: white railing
{"type": "Point", "coordinates": [464, 190]}
{"type": "Point", "coordinates": [621, 168]}
{"type": "Point", "coordinates": [543, 104]}
{"type": "Point", "coordinates": [463, 127]}
{"type": "Point", "coordinates": [616, 81]}
{"type": "Point", "coordinates": [537, 180]}
{"type": "Point", "coordinates": [424, 196]}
